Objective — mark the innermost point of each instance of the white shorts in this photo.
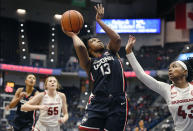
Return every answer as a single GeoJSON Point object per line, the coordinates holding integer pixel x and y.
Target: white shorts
{"type": "Point", "coordinates": [40, 127]}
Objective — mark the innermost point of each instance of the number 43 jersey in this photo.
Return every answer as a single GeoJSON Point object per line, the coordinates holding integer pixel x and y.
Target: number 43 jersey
{"type": "Point", "coordinates": [180, 105]}
{"type": "Point", "coordinates": [179, 100]}
{"type": "Point", "coordinates": [107, 75]}
{"type": "Point", "coordinates": [52, 115]}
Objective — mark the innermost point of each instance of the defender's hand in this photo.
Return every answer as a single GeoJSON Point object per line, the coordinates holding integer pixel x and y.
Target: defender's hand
{"type": "Point", "coordinates": [100, 11]}
{"type": "Point", "coordinates": [130, 44]}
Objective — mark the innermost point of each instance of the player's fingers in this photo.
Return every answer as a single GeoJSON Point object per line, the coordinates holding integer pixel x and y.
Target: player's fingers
{"type": "Point", "coordinates": [95, 8]}
{"type": "Point", "coordinates": [98, 6]}
{"type": "Point", "coordinates": [101, 6]}
{"type": "Point", "coordinates": [133, 39]}
{"type": "Point", "coordinates": [101, 12]}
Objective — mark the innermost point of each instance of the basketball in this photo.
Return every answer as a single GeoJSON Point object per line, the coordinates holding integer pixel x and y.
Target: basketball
{"type": "Point", "coordinates": [72, 21]}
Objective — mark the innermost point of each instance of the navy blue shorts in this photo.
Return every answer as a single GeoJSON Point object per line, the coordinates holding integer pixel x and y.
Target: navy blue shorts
{"type": "Point", "coordinates": [23, 129]}
{"type": "Point", "coordinates": [22, 126]}
{"type": "Point", "coordinates": [115, 119]}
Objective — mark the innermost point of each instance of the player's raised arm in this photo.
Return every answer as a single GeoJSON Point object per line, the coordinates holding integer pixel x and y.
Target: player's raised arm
{"type": "Point", "coordinates": [115, 40]}
{"type": "Point", "coordinates": [81, 51]}
{"type": "Point", "coordinates": [157, 86]}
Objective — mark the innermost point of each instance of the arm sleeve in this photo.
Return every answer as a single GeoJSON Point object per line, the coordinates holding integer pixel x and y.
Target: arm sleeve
{"type": "Point", "coordinates": [157, 86]}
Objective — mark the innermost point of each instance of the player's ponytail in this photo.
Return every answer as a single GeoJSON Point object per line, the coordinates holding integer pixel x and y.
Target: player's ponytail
{"type": "Point", "coordinates": [189, 64]}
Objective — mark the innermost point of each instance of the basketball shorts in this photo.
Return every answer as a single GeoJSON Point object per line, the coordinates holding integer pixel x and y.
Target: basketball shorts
{"type": "Point", "coordinates": [22, 129]}
{"type": "Point", "coordinates": [113, 120]}
{"type": "Point", "coordinates": [40, 127]}
{"type": "Point", "coordinates": [22, 126]}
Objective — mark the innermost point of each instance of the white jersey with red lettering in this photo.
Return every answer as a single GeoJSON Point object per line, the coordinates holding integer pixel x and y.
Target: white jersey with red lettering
{"type": "Point", "coordinates": [179, 101]}
{"type": "Point", "coordinates": [50, 118]}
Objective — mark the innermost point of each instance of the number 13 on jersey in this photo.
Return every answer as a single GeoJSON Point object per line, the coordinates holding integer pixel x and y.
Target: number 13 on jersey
{"type": "Point", "coordinates": [105, 69]}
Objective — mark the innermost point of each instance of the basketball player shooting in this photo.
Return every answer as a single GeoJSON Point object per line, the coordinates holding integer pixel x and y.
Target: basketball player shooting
{"type": "Point", "coordinates": [178, 96]}
{"type": "Point", "coordinates": [107, 105]}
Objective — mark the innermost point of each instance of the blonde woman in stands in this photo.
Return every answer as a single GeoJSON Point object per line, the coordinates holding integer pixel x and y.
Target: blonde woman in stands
{"type": "Point", "coordinates": [178, 95]}
{"type": "Point", "coordinates": [50, 103]}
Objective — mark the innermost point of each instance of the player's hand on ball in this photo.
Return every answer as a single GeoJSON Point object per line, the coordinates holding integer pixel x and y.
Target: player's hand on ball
{"type": "Point", "coordinates": [100, 11]}
{"type": "Point", "coordinates": [70, 34]}
{"type": "Point", "coordinates": [43, 107]}
{"type": "Point", "coordinates": [130, 44]}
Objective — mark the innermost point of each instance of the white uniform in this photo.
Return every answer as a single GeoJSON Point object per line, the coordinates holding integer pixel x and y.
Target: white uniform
{"type": "Point", "coordinates": [179, 101]}
{"type": "Point", "coordinates": [48, 120]}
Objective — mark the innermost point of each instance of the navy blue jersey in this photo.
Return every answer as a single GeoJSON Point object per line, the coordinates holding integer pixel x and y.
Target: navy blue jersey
{"type": "Point", "coordinates": [107, 74]}
{"type": "Point", "coordinates": [108, 77]}
{"type": "Point", "coordinates": [22, 118]}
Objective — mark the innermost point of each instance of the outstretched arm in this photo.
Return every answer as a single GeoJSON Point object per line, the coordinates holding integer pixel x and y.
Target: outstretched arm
{"type": "Point", "coordinates": [81, 51]}
{"type": "Point", "coordinates": [115, 40]}
{"type": "Point", "coordinates": [157, 86]}
{"type": "Point", "coordinates": [33, 104]}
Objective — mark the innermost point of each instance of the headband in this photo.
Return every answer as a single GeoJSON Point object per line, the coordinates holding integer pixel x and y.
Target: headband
{"type": "Point", "coordinates": [182, 64]}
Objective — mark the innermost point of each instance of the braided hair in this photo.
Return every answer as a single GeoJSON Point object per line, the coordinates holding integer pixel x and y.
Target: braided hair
{"type": "Point", "coordinates": [189, 64]}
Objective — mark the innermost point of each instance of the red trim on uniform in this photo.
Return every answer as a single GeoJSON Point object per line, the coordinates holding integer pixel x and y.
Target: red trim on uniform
{"type": "Point", "coordinates": [91, 77]}
{"type": "Point", "coordinates": [123, 76]}
{"type": "Point", "coordinates": [172, 86]}
{"type": "Point", "coordinates": [89, 99]}
{"type": "Point", "coordinates": [127, 110]}
{"type": "Point", "coordinates": [34, 117]}
{"type": "Point", "coordinates": [88, 128]}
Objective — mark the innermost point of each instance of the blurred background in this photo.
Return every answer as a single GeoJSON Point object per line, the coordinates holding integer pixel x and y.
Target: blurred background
{"type": "Point", "coordinates": [32, 41]}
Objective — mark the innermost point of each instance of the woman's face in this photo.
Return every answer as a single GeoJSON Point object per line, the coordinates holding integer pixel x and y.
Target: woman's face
{"type": "Point", "coordinates": [30, 80]}
{"type": "Point", "coordinates": [95, 45]}
{"type": "Point", "coordinates": [176, 71]}
{"type": "Point", "coordinates": [51, 83]}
